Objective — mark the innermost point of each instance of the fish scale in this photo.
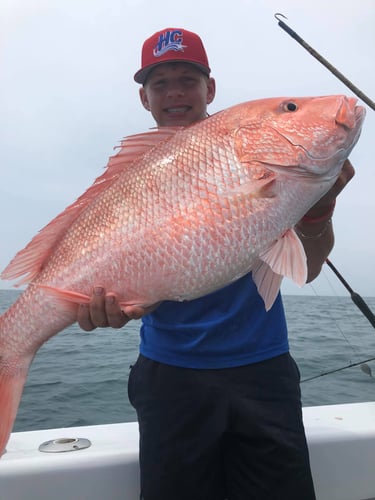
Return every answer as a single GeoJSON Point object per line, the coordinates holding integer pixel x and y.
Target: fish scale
{"type": "Point", "coordinates": [179, 213]}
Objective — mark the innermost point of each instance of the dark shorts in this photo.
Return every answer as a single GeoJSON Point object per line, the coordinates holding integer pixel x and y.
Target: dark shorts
{"type": "Point", "coordinates": [234, 433]}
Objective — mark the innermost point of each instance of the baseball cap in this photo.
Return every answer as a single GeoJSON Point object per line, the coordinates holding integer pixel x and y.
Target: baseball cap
{"type": "Point", "coordinates": [172, 45]}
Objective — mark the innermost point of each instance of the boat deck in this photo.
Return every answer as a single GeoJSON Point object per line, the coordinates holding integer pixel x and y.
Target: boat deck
{"type": "Point", "coordinates": [341, 441]}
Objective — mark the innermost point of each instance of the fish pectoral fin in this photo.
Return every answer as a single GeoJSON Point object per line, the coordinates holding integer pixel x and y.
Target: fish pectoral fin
{"type": "Point", "coordinates": [261, 188]}
{"type": "Point", "coordinates": [12, 381]}
{"type": "Point", "coordinates": [286, 257]}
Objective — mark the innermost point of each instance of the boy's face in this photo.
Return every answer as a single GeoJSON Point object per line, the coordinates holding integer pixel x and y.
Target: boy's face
{"type": "Point", "coordinates": [177, 94]}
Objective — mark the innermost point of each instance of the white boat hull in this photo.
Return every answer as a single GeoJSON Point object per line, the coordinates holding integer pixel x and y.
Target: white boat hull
{"type": "Point", "coordinates": [341, 441]}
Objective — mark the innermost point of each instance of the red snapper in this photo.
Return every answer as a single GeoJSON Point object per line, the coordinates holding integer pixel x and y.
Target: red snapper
{"type": "Point", "coordinates": [177, 214]}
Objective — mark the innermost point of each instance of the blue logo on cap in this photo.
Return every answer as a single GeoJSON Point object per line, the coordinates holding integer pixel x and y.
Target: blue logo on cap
{"type": "Point", "coordinates": [170, 40]}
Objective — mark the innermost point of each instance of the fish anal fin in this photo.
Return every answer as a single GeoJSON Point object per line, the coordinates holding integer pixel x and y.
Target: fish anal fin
{"type": "Point", "coordinates": [30, 261]}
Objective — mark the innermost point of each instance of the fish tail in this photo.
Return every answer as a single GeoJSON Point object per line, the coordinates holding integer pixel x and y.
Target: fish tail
{"type": "Point", "coordinates": [12, 381]}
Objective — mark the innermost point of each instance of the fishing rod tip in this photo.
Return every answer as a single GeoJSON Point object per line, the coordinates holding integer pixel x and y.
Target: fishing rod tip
{"type": "Point", "coordinates": [278, 14]}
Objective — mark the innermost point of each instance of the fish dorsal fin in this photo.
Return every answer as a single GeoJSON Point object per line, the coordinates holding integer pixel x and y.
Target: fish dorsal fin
{"type": "Point", "coordinates": [29, 261]}
{"type": "Point", "coordinates": [286, 257]}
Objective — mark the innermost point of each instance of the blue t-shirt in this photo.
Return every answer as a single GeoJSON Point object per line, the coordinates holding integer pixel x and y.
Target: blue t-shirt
{"type": "Point", "coordinates": [227, 328]}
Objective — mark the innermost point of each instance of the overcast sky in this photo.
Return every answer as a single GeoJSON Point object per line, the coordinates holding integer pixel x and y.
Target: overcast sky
{"type": "Point", "coordinates": [67, 96]}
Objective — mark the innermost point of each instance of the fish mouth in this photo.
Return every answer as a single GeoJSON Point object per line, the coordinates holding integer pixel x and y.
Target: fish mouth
{"type": "Point", "coordinates": [352, 124]}
{"type": "Point", "coordinates": [349, 123]}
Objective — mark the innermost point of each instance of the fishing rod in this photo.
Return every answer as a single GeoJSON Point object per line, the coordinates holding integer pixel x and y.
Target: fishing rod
{"type": "Point", "coordinates": [324, 61]}
{"type": "Point", "coordinates": [356, 298]}
{"type": "Point", "coordinates": [365, 368]}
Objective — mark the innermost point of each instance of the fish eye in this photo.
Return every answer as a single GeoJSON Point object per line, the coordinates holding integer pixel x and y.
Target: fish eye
{"type": "Point", "coordinates": [290, 106]}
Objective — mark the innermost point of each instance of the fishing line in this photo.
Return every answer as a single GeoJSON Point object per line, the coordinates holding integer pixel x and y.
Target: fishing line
{"type": "Point", "coordinates": [365, 310]}
{"type": "Point", "coordinates": [334, 319]}
{"type": "Point", "coordinates": [335, 294]}
{"type": "Point", "coordinates": [324, 61]}
{"type": "Point", "coordinates": [363, 363]}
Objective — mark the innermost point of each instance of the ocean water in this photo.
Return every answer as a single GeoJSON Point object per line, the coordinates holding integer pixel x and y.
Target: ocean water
{"type": "Point", "coordinates": [80, 378]}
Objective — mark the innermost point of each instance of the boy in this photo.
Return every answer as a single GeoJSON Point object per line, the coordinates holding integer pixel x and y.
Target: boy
{"type": "Point", "coordinates": [215, 389]}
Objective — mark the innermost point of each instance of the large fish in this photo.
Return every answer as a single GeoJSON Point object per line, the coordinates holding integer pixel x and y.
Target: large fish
{"type": "Point", "coordinates": [177, 214]}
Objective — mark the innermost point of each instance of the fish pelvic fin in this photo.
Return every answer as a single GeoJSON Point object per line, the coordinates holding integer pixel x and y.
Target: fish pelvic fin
{"type": "Point", "coordinates": [30, 261]}
{"type": "Point", "coordinates": [286, 257]}
{"type": "Point", "coordinates": [12, 380]}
